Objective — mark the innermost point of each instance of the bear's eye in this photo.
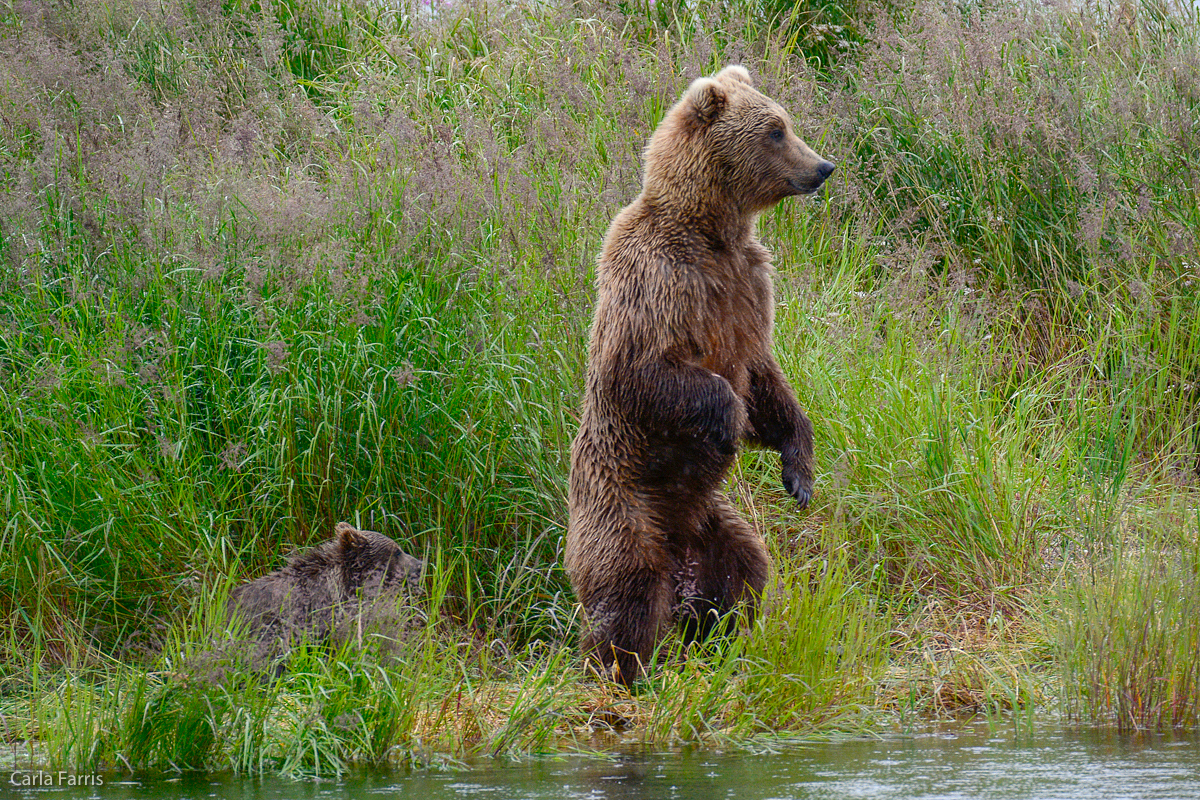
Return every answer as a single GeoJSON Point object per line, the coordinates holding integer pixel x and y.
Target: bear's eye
{"type": "Point", "coordinates": [776, 135]}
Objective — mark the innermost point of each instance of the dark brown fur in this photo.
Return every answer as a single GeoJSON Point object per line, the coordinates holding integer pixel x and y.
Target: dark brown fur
{"type": "Point", "coordinates": [680, 371]}
{"type": "Point", "coordinates": [336, 583]}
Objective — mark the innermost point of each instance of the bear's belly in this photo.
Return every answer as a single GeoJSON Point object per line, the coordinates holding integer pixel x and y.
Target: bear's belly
{"type": "Point", "coordinates": [683, 469]}
{"type": "Point", "coordinates": [662, 468]}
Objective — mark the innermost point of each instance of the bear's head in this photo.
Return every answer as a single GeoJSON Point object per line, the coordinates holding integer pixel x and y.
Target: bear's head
{"type": "Point", "coordinates": [372, 562]}
{"type": "Point", "coordinates": [727, 145]}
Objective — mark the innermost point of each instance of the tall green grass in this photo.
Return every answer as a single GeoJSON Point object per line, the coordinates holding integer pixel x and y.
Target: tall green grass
{"type": "Point", "coordinates": [1129, 638]}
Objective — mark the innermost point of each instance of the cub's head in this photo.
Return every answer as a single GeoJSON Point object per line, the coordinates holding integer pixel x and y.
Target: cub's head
{"type": "Point", "coordinates": [372, 562]}
{"type": "Point", "coordinates": [725, 142]}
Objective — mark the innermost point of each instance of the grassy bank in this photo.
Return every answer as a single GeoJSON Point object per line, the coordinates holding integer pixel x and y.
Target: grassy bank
{"type": "Point", "coordinates": [265, 267]}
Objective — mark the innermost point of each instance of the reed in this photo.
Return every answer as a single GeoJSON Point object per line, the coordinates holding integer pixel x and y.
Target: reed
{"type": "Point", "coordinates": [1129, 642]}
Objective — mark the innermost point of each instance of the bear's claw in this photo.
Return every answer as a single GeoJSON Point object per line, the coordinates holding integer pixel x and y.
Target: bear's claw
{"type": "Point", "coordinates": [796, 488]}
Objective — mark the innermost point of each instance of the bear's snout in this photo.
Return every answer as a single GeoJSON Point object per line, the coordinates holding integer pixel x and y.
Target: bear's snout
{"type": "Point", "coordinates": [811, 178]}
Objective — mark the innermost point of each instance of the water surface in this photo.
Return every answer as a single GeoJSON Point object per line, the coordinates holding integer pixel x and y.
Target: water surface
{"type": "Point", "coordinates": [971, 761]}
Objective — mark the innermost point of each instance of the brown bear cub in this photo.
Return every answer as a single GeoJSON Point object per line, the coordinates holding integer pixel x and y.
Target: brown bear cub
{"type": "Point", "coordinates": [355, 577]}
{"type": "Point", "coordinates": [680, 371]}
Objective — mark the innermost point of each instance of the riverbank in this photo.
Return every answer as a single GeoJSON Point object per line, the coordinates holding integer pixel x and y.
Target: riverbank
{"type": "Point", "coordinates": [266, 270]}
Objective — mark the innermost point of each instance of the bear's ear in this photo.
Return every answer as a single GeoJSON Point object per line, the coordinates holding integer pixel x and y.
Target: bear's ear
{"type": "Point", "coordinates": [735, 72]}
{"type": "Point", "coordinates": [348, 537]}
{"type": "Point", "coordinates": [707, 99]}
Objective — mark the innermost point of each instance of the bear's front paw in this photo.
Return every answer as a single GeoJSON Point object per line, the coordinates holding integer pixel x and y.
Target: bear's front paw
{"type": "Point", "coordinates": [725, 421]}
{"type": "Point", "coordinates": [798, 487]}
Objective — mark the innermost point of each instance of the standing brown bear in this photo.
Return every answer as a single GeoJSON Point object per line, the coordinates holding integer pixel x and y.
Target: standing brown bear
{"type": "Point", "coordinates": [680, 370]}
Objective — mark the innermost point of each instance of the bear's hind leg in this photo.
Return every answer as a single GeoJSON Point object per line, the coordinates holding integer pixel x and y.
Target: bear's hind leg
{"type": "Point", "coordinates": [726, 572]}
{"type": "Point", "coordinates": [625, 625]}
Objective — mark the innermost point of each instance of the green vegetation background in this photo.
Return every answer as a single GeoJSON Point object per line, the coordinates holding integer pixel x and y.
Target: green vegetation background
{"type": "Point", "coordinates": [265, 266]}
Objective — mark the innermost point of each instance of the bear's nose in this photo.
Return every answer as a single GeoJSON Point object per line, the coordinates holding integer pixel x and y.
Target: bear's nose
{"type": "Point", "coordinates": [826, 168]}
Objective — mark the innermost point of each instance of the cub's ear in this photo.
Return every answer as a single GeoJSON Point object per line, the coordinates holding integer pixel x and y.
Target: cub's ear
{"type": "Point", "coordinates": [735, 72]}
{"type": "Point", "coordinates": [707, 99]}
{"type": "Point", "coordinates": [348, 537]}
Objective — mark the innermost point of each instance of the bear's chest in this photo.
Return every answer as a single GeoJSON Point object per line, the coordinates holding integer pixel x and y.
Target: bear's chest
{"type": "Point", "coordinates": [736, 325]}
